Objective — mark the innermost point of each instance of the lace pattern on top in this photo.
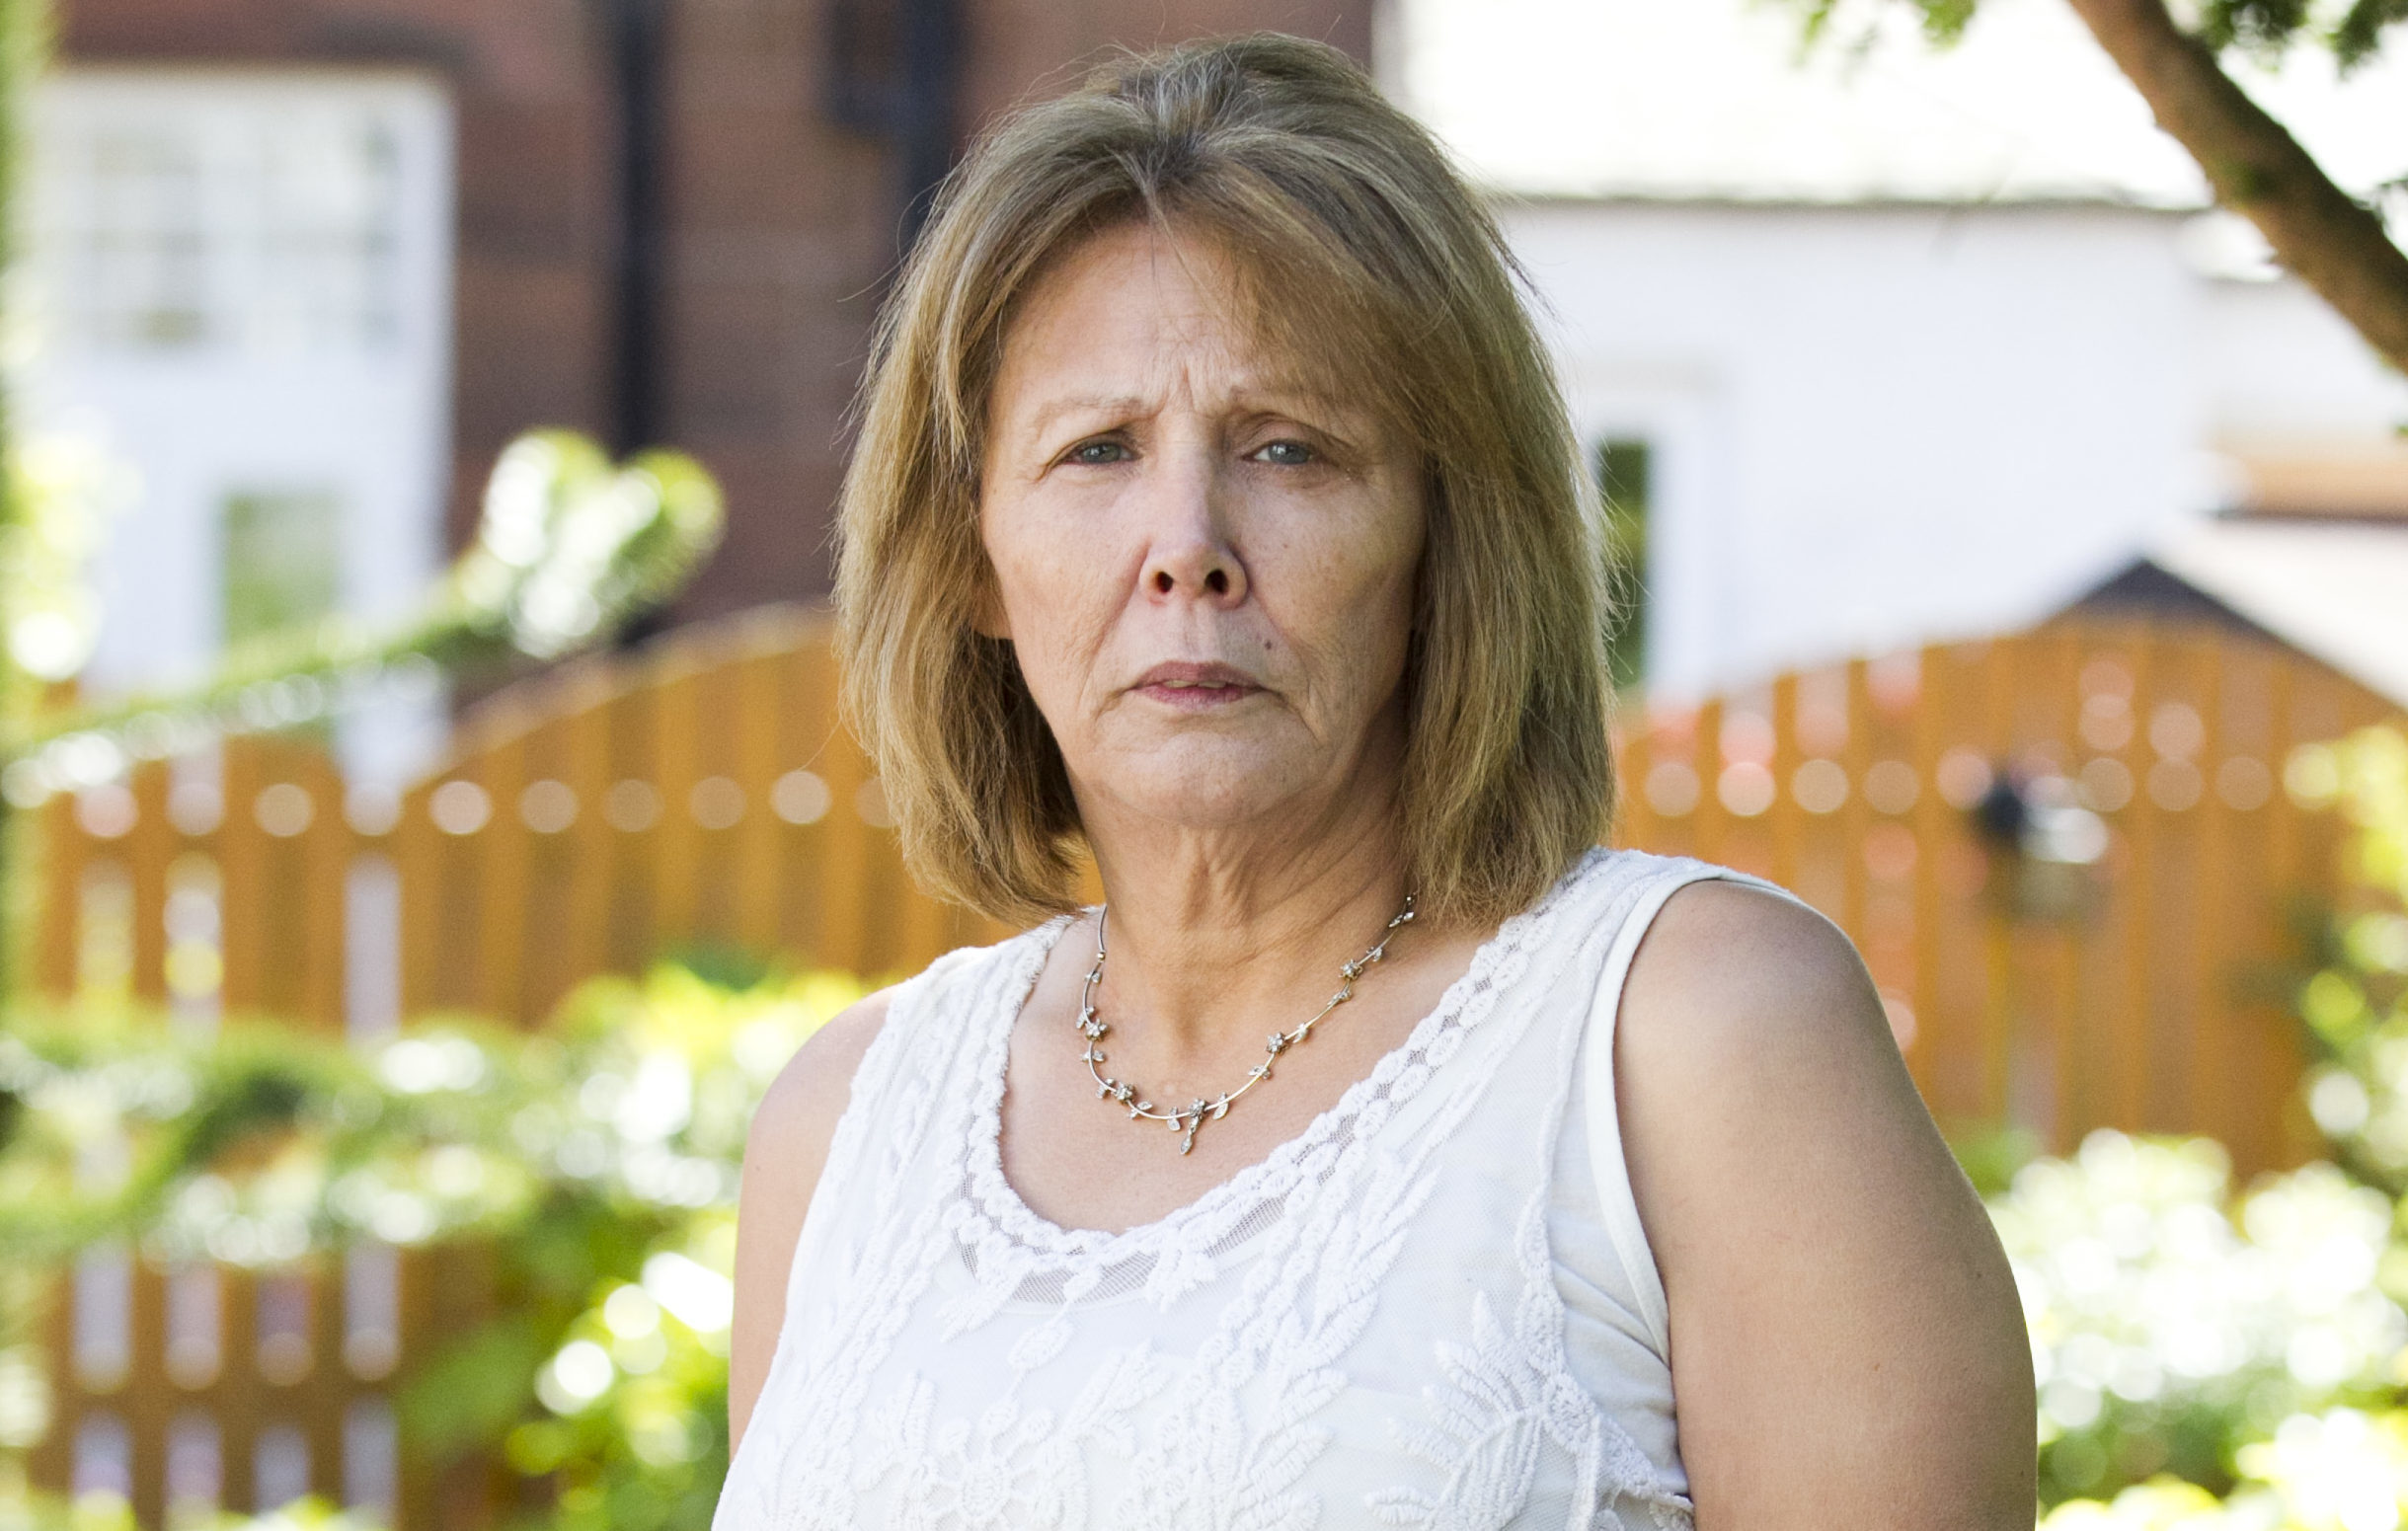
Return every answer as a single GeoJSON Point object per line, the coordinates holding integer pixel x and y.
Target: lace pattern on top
{"type": "Point", "coordinates": [1016, 1254]}
{"type": "Point", "coordinates": [904, 1394]}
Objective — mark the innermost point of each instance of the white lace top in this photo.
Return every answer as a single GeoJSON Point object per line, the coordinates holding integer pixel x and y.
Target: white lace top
{"type": "Point", "coordinates": [1434, 1308]}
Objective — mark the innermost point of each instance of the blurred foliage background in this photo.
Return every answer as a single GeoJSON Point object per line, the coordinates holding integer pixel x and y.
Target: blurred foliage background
{"type": "Point", "coordinates": [2209, 1355]}
{"type": "Point", "coordinates": [590, 1170]}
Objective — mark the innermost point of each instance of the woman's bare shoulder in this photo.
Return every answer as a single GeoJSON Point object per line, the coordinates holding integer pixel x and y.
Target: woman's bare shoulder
{"type": "Point", "coordinates": [1729, 959]}
{"type": "Point", "coordinates": [796, 1123]}
{"type": "Point", "coordinates": [1741, 1002]}
{"type": "Point", "coordinates": [1749, 1029]}
{"type": "Point", "coordinates": [784, 1156]}
{"type": "Point", "coordinates": [798, 1114]}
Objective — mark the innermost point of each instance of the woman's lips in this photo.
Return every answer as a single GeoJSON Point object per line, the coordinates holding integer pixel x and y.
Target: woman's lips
{"type": "Point", "coordinates": [1194, 688]}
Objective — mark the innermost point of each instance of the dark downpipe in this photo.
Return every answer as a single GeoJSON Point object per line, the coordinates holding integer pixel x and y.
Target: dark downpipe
{"type": "Point", "coordinates": [893, 67]}
{"type": "Point", "coordinates": [932, 34]}
{"type": "Point", "coordinates": [637, 33]}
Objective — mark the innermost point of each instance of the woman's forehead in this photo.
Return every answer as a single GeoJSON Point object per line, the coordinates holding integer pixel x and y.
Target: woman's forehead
{"type": "Point", "coordinates": [1129, 303]}
{"type": "Point", "coordinates": [1135, 315]}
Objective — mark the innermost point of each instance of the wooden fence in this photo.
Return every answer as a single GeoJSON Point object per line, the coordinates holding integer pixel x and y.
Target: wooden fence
{"type": "Point", "coordinates": [2147, 988]}
{"type": "Point", "coordinates": [701, 795]}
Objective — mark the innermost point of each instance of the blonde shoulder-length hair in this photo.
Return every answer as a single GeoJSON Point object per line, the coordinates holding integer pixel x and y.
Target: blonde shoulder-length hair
{"type": "Point", "coordinates": [1369, 265]}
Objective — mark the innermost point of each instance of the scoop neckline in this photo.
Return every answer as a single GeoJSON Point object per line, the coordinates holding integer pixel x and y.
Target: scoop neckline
{"type": "Point", "coordinates": [993, 1194]}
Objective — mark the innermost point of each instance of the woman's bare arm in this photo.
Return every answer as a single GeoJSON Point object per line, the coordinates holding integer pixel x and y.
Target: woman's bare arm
{"type": "Point", "coordinates": [784, 1154]}
{"type": "Point", "coordinates": [1847, 1347]}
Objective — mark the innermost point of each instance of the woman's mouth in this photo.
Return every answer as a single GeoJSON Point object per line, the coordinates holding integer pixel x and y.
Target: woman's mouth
{"type": "Point", "coordinates": [1194, 687]}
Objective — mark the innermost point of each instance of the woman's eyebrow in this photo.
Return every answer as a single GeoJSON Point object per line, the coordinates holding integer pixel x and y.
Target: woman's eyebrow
{"type": "Point", "coordinates": [1267, 397]}
{"type": "Point", "coordinates": [1285, 388]}
{"type": "Point", "coordinates": [1313, 408]}
{"type": "Point", "coordinates": [1049, 413]}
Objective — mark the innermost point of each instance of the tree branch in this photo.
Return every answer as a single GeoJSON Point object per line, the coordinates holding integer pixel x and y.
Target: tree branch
{"type": "Point", "coordinates": [2332, 242]}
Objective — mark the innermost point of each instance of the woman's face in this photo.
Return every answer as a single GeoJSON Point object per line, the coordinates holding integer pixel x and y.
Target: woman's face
{"type": "Point", "coordinates": [1206, 571]}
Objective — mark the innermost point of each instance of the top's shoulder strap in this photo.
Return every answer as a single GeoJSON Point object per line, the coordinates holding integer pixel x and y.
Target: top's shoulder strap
{"type": "Point", "coordinates": [1617, 1202]}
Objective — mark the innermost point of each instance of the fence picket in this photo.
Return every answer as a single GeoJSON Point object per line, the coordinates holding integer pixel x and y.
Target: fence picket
{"type": "Point", "coordinates": [682, 719]}
{"type": "Point", "coordinates": [150, 846]}
{"type": "Point", "coordinates": [579, 886]}
{"type": "Point", "coordinates": [509, 921]}
{"type": "Point", "coordinates": [759, 759]}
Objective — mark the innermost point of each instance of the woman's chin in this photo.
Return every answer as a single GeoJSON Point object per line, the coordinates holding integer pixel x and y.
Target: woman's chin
{"type": "Point", "coordinates": [1228, 797]}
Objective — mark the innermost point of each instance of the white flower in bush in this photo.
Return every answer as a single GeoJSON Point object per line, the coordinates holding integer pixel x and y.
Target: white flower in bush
{"type": "Point", "coordinates": [2340, 1470]}
{"type": "Point", "coordinates": [2140, 1290]}
{"type": "Point", "coordinates": [2154, 1506]}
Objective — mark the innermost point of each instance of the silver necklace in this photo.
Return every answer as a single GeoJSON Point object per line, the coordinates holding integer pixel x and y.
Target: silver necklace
{"type": "Point", "coordinates": [1193, 1116]}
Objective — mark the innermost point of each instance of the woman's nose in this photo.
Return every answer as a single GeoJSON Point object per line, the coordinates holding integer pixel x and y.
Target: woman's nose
{"type": "Point", "coordinates": [1191, 556]}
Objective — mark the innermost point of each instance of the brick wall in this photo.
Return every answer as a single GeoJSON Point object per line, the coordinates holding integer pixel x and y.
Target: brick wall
{"type": "Point", "coordinates": [781, 225]}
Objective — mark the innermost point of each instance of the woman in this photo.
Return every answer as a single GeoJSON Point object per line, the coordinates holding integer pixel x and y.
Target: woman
{"type": "Point", "coordinates": [1381, 1153]}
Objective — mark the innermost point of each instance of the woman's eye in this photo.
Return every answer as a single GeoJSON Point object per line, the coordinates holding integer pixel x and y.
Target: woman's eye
{"type": "Point", "coordinates": [1096, 453]}
{"type": "Point", "coordinates": [1285, 454]}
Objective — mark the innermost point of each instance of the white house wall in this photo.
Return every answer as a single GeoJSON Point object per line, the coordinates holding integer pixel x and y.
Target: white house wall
{"type": "Point", "coordinates": [2283, 374]}
{"type": "Point", "coordinates": [1876, 424]}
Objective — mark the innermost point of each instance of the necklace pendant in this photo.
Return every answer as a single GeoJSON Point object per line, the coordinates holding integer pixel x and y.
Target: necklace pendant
{"type": "Point", "coordinates": [1194, 1114]}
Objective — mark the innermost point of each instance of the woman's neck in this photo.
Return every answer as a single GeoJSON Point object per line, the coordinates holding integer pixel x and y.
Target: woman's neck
{"type": "Point", "coordinates": [1210, 932]}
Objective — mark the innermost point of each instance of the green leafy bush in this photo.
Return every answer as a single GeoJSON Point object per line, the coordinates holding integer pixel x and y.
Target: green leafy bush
{"type": "Point", "coordinates": [107, 1512]}
{"type": "Point", "coordinates": [594, 1168]}
{"type": "Point", "coordinates": [2172, 1326]}
{"type": "Point", "coordinates": [2256, 1356]}
{"type": "Point", "coordinates": [2356, 1005]}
